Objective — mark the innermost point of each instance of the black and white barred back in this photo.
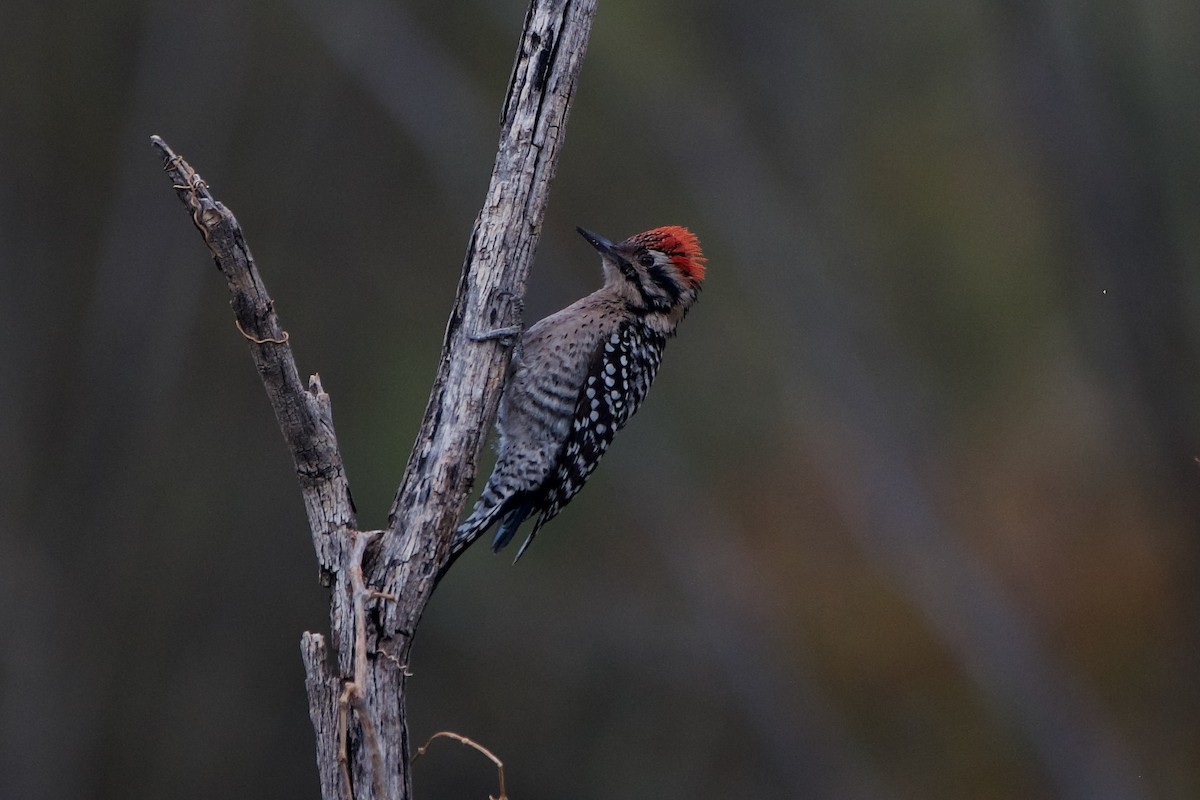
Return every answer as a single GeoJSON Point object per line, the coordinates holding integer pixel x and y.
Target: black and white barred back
{"type": "Point", "coordinates": [618, 380]}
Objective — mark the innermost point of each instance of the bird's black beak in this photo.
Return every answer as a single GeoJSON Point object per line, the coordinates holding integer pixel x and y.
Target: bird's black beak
{"type": "Point", "coordinates": [597, 241]}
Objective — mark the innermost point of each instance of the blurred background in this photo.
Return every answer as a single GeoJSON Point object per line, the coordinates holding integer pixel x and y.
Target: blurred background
{"type": "Point", "coordinates": [910, 513]}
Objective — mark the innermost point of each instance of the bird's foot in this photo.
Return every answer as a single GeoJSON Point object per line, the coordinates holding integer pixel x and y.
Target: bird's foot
{"type": "Point", "coordinates": [505, 336]}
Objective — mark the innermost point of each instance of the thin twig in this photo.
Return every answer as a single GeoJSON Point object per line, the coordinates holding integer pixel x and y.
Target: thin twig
{"type": "Point", "coordinates": [343, 752]}
{"type": "Point", "coordinates": [403, 668]}
{"type": "Point", "coordinates": [469, 743]}
{"type": "Point", "coordinates": [256, 340]}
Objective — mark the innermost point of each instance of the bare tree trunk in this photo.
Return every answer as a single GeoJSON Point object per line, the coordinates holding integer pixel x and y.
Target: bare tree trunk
{"type": "Point", "coordinates": [382, 580]}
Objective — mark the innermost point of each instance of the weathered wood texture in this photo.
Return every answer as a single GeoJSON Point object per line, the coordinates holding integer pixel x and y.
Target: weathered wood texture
{"type": "Point", "coordinates": [382, 580]}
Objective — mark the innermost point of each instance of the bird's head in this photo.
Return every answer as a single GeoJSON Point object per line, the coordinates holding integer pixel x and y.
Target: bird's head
{"type": "Point", "coordinates": [659, 270]}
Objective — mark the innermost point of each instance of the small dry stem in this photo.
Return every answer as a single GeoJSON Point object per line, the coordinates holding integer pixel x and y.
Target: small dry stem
{"type": "Point", "coordinates": [469, 743]}
{"type": "Point", "coordinates": [352, 691]}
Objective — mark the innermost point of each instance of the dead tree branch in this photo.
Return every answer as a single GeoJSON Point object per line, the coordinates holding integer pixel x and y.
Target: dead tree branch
{"type": "Point", "coordinates": [382, 580]}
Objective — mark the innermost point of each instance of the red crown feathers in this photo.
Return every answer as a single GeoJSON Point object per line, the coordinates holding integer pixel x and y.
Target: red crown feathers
{"type": "Point", "coordinates": [680, 244]}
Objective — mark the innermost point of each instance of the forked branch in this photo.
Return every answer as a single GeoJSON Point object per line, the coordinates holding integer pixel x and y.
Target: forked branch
{"type": "Point", "coordinates": [357, 707]}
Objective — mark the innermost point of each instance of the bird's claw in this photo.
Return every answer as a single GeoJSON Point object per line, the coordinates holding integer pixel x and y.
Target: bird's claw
{"type": "Point", "coordinates": [504, 335]}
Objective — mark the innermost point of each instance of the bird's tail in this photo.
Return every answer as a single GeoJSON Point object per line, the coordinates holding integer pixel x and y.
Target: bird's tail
{"type": "Point", "coordinates": [495, 502]}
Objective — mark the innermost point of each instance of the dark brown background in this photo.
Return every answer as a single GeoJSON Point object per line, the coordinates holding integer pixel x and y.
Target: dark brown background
{"type": "Point", "coordinates": [911, 511]}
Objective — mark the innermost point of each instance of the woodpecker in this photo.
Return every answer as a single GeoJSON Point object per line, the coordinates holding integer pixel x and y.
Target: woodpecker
{"type": "Point", "coordinates": [577, 376]}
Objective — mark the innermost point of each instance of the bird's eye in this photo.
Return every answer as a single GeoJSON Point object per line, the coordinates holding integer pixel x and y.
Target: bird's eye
{"type": "Point", "coordinates": [646, 260]}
